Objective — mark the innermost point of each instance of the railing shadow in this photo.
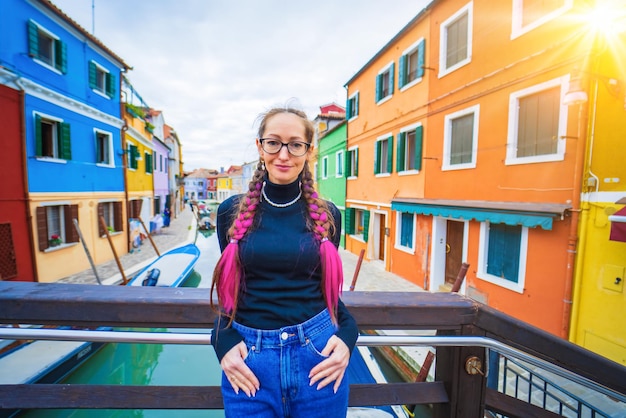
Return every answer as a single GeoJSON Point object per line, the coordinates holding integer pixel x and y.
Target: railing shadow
{"type": "Point", "coordinates": [457, 391]}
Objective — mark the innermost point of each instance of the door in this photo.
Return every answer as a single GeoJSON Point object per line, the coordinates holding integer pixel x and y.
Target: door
{"type": "Point", "coordinates": [454, 250]}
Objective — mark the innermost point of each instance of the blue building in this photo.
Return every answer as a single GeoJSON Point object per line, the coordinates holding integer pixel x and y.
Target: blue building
{"type": "Point", "coordinates": [70, 84]}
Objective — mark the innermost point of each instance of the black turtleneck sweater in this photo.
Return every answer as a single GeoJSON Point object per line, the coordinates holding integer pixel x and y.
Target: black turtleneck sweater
{"type": "Point", "coordinates": [281, 267]}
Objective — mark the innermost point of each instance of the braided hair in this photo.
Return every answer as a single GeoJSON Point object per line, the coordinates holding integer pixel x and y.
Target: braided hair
{"type": "Point", "coordinates": [228, 274]}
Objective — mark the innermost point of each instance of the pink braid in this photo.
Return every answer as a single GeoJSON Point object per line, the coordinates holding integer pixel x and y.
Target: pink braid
{"type": "Point", "coordinates": [322, 226]}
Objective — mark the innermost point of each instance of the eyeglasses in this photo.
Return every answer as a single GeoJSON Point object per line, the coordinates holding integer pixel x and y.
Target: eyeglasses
{"type": "Point", "coordinates": [295, 148]}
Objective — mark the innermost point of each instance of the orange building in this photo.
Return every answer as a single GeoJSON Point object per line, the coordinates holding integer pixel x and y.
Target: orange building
{"type": "Point", "coordinates": [462, 148]}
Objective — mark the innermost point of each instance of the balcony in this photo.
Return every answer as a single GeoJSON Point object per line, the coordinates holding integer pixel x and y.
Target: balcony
{"type": "Point", "coordinates": [465, 333]}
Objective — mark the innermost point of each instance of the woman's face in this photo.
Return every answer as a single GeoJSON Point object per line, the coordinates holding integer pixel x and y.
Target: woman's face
{"type": "Point", "coordinates": [283, 167]}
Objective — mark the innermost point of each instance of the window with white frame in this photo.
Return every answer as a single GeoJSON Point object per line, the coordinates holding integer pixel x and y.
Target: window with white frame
{"type": "Point", "coordinates": [411, 64]}
{"type": "Point", "coordinates": [352, 106]}
{"type": "Point", "coordinates": [104, 147]}
{"type": "Point", "coordinates": [357, 223]}
{"type": "Point", "coordinates": [537, 124]}
{"type": "Point", "coordinates": [325, 167]}
{"type": "Point", "coordinates": [383, 155]}
{"type": "Point", "coordinates": [352, 162]}
{"type": "Point", "coordinates": [409, 149]}
{"type": "Point", "coordinates": [52, 138]}
{"type": "Point", "coordinates": [101, 80]}
{"type": "Point", "coordinates": [55, 225]}
{"type": "Point", "coordinates": [405, 231]}
{"type": "Point", "coordinates": [530, 14]}
{"type": "Point", "coordinates": [149, 164]}
{"type": "Point", "coordinates": [339, 163]}
{"type": "Point", "coordinates": [46, 47]}
{"type": "Point", "coordinates": [133, 156]}
{"type": "Point", "coordinates": [112, 214]}
{"type": "Point", "coordinates": [461, 139]}
{"type": "Point", "coordinates": [385, 83]}
{"type": "Point", "coordinates": [502, 255]}
{"type": "Point", "coordinates": [455, 44]}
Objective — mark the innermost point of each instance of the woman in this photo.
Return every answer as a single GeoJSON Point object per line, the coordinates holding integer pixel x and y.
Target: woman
{"type": "Point", "coordinates": [283, 336]}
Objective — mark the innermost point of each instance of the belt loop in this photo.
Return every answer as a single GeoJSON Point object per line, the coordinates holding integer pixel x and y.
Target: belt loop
{"type": "Point", "coordinates": [301, 335]}
{"type": "Point", "coordinates": [259, 339]}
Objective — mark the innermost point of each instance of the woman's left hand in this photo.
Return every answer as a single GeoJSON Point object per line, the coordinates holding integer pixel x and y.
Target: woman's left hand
{"type": "Point", "coordinates": [334, 367]}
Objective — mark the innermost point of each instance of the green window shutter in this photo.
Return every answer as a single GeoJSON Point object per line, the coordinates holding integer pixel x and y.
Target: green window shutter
{"type": "Point", "coordinates": [356, 105]}
{"type": "Point", "coordinates": [60, 62]}
{"type": "Point", "coordinates": [349, 221]}
{"type": "Point", "coordinates": [390, 154]}
{"type": "Point", "coordinates": [356, 162]}
{"type": "Point", "coordinates": [402, 71]}
{"type": "Point", "coordinates": [378, 87]}
{"type": "Point", "coordinates": [377, 158]}
{"type": "Point", "coordinates": [148, 158]}
{"type": "Point", "coordinates": [33, 39]}
{"type": "Point", "coordinates": [110, 85]}
{"type": "Point", "coordinates": [392, 71]}
{"type": "Point", "coordinates": [38, 142]}
{"type": "Point", "coordinates": [366, 225]}
{"type": "Point", "coordinates": [65, 141]}
{"type": "Point", "coordinates": [400, 151]}
{"type": "Point", "coordinates": [93, 73]}
{"type": "Point", "coordinates": [419, 145]}
{"type": "Point", "coordinates": [348, 108]}
{"type": "Point", "coordinates": [133, 157]}
{"type": "Point", "coordinates": [421, 57]}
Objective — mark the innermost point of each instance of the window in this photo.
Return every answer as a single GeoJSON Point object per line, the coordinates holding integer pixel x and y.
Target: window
{"type": "Point", "coordinates": [357, 223]}
{"type": "Point", "coordinates": [352, 106]}
{"type": "Point", "coordinates": [405, 231]}
{"type": "Point", "coordinates": [101, 80]}
{"type": "Point", "coordinates": [133, 156]}
{"type": "Point", "coordinates": [461, 139]}
{"type": "Point", "coordinates": [409, 155]}
{"type": "Point", "coordinates": [352, 162]}
{"type": "Point", "coordinates": [46, 47]}
{"type": "Point", "coordinates": [502, 255]}
{"type": "Point", "coordinates": [537, 120]}
{"type": "Point", "coordinates": [52, 138]}
{"type": "Point", "coordinates": [384, 83]}
{"type": "Point", "coordinates": [383, 156]}
{"type": "Point", "coordinates": [530, 14]}
{"type": "Point", "coordinates": [55, 226]}
{"type": "Point", "coordinates": [339, 163]}
{"type": "Point", "coordinates": [325, 167]}
{"type": "Point", "coordinates": [412, 64]}
{"type": "Point", "coordinates": [112, 214]}
{"type": "Point", "coordinates": [104, 148]}
{"type": "Point", "coordinates": [456, 41]}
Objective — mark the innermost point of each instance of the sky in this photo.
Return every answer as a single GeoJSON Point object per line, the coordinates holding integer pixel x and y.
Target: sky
{"type": "Point", "coordinates": [213, 66]}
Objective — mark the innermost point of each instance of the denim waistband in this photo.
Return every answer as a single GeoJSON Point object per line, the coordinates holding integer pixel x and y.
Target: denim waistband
{"type": "Point", "coordinates": [286, 335]}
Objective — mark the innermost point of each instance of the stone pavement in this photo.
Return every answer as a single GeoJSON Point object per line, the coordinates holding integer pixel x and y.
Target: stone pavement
{"type": "Point", "coordinates": [181, 231]}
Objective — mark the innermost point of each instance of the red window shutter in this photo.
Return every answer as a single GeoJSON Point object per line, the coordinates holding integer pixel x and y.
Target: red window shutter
{"type": "Point", "coordinates": [117, 216]}
{"type": "Point", "coordinates": [42, 228]}
{"type": "Point", "coordinates": [71, 213]}
{"type": "Point", "coordinates": [101, 231]}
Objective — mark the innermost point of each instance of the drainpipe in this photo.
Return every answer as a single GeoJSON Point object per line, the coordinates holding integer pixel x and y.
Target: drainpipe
{"type": "Point", "coordinates": [29, 217]}
{"type": "Point", "coordinates": [573, 275]}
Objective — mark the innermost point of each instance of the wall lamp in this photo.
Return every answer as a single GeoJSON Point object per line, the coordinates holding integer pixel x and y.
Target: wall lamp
{"type": "Point", "coordinates": [576, 93]}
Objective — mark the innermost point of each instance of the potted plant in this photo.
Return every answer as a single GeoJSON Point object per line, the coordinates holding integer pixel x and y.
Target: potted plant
{"type": "Point", "coordinates": [55, 240]}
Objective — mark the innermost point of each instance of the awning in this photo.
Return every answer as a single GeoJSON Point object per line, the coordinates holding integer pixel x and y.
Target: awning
{"type": "Point", "coordinates": [511, 213]}
{"type": "Point", "coordinates": [618, 225]}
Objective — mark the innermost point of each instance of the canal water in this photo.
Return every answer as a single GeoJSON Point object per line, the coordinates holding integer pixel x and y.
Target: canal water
{"type": "Point", "coordinates": [159, 364]}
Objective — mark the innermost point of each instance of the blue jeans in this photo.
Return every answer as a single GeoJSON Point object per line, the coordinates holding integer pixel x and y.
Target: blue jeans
{"type": "Point", "coordinates": [281, 359]}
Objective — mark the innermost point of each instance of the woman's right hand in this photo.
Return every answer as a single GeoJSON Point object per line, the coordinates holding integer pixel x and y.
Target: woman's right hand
{"type": "Point", "coordinates": [237, 371]}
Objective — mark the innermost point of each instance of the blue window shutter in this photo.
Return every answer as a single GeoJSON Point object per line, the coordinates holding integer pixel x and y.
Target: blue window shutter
{"type": "Point", "coordinates": [366, 225]}
{"type": "Point", "coordinates": [402, 71]}
{"type": "Point", "coordinates": [64, 141]}
{"type": "Point", "coordinates": [390, 154]}
{"type": "Point", "coordinates": [61, 56]}
{"type": "Point", "coordinates": [421, 58]}
{"type": "Point", "coordinates": [92, 74]}
{"type": "Point", "coordinates": [406, 230]}
{"type": "Point", "coordinates": [38, 142]}
{"type": "Point", "coordinates": [33, 39]}
{"type": "Point", "coordinates": [503, 251]}
{"type": "Point", "coordinates": [110, 88]}
{"type": "Point", "coordinates": [378, 87]}
{"type": "Point", "coordinates": [400, 152]}
{"type": "Point", "coordinates": [392, 71]}
{"type": "Point", "coordinates": [419, 145]}
{"type": "Point", "coordinates": [377, 158]}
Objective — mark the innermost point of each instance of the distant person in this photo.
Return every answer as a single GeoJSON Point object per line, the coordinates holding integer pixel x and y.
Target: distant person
{"type": "Point", "coordinates": [283, 337]}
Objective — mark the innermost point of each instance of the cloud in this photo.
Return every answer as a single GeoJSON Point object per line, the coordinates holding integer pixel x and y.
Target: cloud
{"type": "Point", "coordinates": [212, 66]}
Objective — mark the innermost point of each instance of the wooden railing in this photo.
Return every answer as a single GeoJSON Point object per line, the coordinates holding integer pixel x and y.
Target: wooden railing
{"type": "Point", "coordinates": [455, 393]}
